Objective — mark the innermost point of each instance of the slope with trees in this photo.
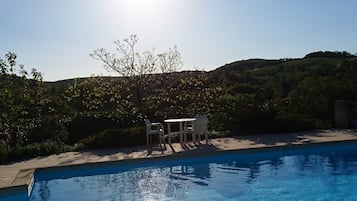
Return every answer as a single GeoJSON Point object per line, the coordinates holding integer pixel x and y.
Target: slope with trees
{"type": "Point", "coordinates": [286, 94]}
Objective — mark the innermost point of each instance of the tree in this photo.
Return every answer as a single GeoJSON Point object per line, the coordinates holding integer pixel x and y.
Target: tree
{"type": "Point", "coordinates": [99, 97]}
{"type": "Point", "coordinates": [136, 68]}
{"type": "Point", "coordinates": [24, 104]}
{"type": "Point", "coordinates": [190, 94]}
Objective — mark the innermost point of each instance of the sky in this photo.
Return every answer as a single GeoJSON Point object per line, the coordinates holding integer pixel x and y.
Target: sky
{"type": "Point", "coordinates": [57, 36]}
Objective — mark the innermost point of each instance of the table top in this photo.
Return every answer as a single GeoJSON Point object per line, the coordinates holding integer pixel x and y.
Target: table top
{"type": "Point", "coordinates": [179, 120]}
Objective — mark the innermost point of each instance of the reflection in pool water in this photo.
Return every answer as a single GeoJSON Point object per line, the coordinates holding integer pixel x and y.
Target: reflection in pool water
{"type": "Point", "coordinates": [328, 173]}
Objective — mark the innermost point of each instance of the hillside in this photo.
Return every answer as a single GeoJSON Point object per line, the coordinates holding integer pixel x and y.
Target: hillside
{"type": "Point", "coordinates": [315, 62]}
{"type": "Point", "coordinates": [314, 58]}
{"type": "Point", "coordinates": [286, 94]}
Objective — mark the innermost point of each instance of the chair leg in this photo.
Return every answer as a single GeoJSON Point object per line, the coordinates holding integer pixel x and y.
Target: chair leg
{"type": "Point", "coordinates": [163, 138]}
{"type": "Point", "coordinates": [147, 139]}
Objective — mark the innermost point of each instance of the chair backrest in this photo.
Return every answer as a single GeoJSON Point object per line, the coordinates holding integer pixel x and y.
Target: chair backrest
{"type": "Point", "coordinates": [201, 124]}
{"type": "Point", "coordinates": [148, 125]}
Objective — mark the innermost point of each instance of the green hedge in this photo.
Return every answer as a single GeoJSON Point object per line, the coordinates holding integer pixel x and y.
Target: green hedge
{"type": "Point", "coordinates": [3, 153]}
{"type": "Point", "coordinates": [83, 127]}
{"type": "Point", "coordinates": [50, 129]}
{"type": "Point", "coordinates": [111, 138]}
{"type": "Point", "coordinates": [296, 122]}
{"type": "Point", "coordinates": [32, 150]}
{"type": "Point", "coordinates": [116, 138]}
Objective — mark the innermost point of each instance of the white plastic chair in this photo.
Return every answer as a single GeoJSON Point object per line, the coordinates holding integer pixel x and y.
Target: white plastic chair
{"type": "Point", "coordinates": [198, 128]}
{"type": "Point", "coordinates": [154, 129]}
{"type": "Point", "coordinates": [201, 127]}
{"type": "Point", "coordinates": [188, 129]}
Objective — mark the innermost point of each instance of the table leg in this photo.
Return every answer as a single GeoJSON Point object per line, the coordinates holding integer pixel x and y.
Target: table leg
{"type": "Point", "coordinates": [184, 132]}
{"type": "Point", "coordinates": [181, 131]}
{"type": "Point", "coordinates": [169, 132]}
{"type": "Point", "coordinates": [193, 132]}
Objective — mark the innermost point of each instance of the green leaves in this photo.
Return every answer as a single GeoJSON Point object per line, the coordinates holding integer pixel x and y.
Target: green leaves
{"type": "Point", "coordinates": [23, 101]}
{"type": "Point", "coordinates": [100, 97]}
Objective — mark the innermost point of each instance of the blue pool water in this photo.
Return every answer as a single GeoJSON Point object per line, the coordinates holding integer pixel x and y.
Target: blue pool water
{"type": "Point", "coordinates": [314, 173]}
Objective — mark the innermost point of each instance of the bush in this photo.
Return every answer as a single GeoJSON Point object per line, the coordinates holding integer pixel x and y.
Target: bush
{"type": "Point", "coordinates": [36, 149]}
{"type": "Point", "coordinates": [115, 138]}
{"type": "Point", "coordinates": [3, 153]}
{"type": "Point", "coordinates": [51, 129]}
{"type": "Point", "coordinates": [84, 127]}
{"type": "Point", "coordinates": [294, 122]}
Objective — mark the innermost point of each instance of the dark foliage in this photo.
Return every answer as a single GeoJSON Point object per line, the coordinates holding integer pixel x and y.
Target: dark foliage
{"type": "Point", "coordinates": [115, 138]}
{"type": "Point", "coordinates": [330, 54]}
{"type": "Point", "coordinates": [83, 127]}
{"type": "Point", "coordinates": [32, 150]}
{"type": "Point", "coordinates": [50, 129]}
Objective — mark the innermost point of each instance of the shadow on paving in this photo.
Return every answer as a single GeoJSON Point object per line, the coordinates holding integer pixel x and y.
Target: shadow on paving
{"type": "Point", "coordinates": [291, 138]}
{"type": "Point", "coordinates": [154, 150]}
{"type": "Point", "coordinates": [182, 148]}
{"type": "Point", "coordinates": [189, 147]}
{"type": "Point", "coordinates": [273, 139]}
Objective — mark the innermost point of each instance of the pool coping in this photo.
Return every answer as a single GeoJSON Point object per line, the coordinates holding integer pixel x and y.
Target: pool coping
{"type": "Point", "coordinates": [24, 180]}
{"type": "Point", "coordinates": [22, 183]}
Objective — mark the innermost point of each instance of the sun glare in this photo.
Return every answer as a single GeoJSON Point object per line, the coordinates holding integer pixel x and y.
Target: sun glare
{"type": "Point", "coordinates": [146, 8]}
{"type": "Point", "coordinates": [146, 15]}
{"type": "Point", "coordinates": [143, 4]}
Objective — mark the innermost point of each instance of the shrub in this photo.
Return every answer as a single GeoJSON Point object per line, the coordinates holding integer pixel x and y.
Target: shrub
{"type": "Point", "coordinates": [83, 127]}
{"type": "Point", "coordinates": [36, 149]}
{"type": "Point", "coordinates": [115, 138]}
{"type": "Point", "coordinates": [51, 129]}
{"type": "Point", "coordinates": [3, 153]}
{"type": "Point", "coordinates": [294, 122]}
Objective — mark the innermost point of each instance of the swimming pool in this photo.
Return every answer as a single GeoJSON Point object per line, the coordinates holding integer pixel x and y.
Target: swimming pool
{"type": "Point", "coordinates": [321, 173]}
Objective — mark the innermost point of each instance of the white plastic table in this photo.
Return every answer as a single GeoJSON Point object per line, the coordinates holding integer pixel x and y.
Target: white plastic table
{"type": "Point", "coordinates": [181, 123]}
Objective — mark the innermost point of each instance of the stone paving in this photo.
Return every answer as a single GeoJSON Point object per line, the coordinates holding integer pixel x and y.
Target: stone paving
{"type": "Point", "coordinates": [13, 174]}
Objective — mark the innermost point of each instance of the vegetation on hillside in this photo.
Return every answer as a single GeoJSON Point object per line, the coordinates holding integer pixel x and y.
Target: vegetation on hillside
{"type": "Point", "coordinates": [250, 96]}
{"type": "Point", "coordinates": [286, 94]}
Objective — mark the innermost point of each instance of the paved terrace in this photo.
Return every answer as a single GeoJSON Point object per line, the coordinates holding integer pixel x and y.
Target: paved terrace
{"type": "Point", "coordinates": [8, 172]}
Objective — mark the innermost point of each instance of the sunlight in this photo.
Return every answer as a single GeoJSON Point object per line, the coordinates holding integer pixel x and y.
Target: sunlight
{"type": "Point", "coordinates": [143, 4]}
{"type": "Point", "coordinates": [146, 14]}
{"type": "Point", "coordinates": [146, 8]}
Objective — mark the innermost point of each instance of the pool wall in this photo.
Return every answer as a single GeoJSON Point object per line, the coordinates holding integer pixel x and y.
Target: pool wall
{"type": "Point", "coordinates": [22, 187]}
{"type": "Point", "coordinates": [17, 193]}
